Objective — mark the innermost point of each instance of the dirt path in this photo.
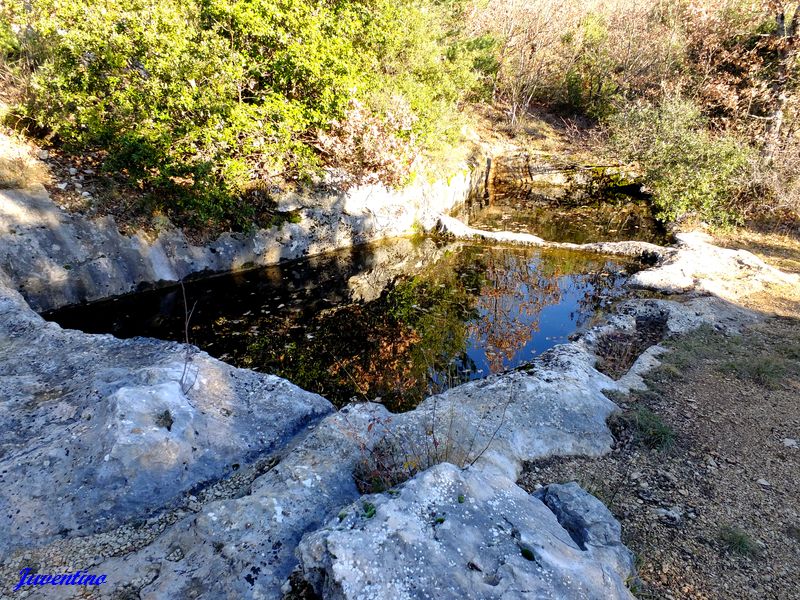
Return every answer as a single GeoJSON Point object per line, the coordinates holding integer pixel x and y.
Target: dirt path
{"type": "Point", "coordinates": [705, 473]}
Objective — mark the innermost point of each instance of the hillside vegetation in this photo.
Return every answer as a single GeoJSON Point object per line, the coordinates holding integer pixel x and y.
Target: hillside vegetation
{"type": "Point", "coordinates": [207, 101]}
{"type": "Point", "coordinates": [701, 93]}
{"type": "Point", "coordinates": [207, 104]}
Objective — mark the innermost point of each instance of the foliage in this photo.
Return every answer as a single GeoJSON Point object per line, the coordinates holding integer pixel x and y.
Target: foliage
{"type": "Point", "coordinates": [736, 59]}
{"type": "Point", "coordinates": [736, 62]}
{"type": "Point", "coordinates": [199, 99]}
{"type": "Point", "coordinates": [580, 56]}
{"type": "Point", "coordinates": [9, 46]}
{"type": "Point", "coordinates": [589, 87]}
{"type": "Point", "coordinates": [689, 168]}
{"type": "Point", "coordinates": [650, 429]}
{"type": "Point", "coordinates": [369, 510]}
{"type": "Point", "coordinates": [371, 147]}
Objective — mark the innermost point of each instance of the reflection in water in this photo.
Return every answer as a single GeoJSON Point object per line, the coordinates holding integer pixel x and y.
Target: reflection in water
{"type": "Point", "coordinates": [453, 314]}
{"type": "Point", "coordinates": [530, 301]}
{"type": "Point", "coordinates": [574, 217]}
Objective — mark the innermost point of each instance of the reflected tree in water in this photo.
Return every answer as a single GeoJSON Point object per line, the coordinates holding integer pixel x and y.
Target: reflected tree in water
{"type": "Point", "coordinates": [517, 290]}
{"type": "Point", "coordinates": [416, 339]}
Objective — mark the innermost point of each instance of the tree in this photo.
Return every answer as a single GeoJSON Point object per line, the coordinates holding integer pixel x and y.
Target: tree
{"type": "Point", "coordinates": [786, 34]}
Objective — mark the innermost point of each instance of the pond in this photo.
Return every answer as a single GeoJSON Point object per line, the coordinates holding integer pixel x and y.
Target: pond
{"type": "Point", "coordinates": [395, 321]}
{"type": "Point", "coordinates": [566, 214]}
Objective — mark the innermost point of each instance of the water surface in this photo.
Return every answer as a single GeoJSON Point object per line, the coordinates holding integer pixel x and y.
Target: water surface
{"type": "Point", "coordinates": [396, 321]}
{"type": "Point", "coordinates": [574, 215]}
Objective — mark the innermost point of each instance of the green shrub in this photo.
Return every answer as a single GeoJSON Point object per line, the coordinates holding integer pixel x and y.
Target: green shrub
{"type": "Point", "coordinates": [9, 45]}
{"type": "Point", "coordinates": [590, 84]}
{"type": "Point", "coordinates": [197, 99]}
{"type": "Point", "coordinates": [689, 169]}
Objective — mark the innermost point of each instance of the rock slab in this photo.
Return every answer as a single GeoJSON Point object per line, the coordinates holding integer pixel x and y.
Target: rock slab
{"type": "Point", "coordinates": [96, 431]}
{"type": "Point", "coordinates": [452, 533]}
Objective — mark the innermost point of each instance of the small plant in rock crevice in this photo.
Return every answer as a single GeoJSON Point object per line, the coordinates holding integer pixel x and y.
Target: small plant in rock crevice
{"type": "Point", "coordinates": [165, 420]}
{"type": "Point", "coordinates": [398, 455]}
{"type": "Point", "coordinates": [369, 510]}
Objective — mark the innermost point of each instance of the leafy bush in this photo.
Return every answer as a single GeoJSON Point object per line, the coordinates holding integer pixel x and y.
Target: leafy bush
{"type": "Point", "coordinates": [590, 87]}
{"type": "Point", "coordinates": [198, 99]}
{"type": "Point", "coordinates": [689, 168]}
{"type": "Point", "coordinates": [373, 148]}
{"type": "Point", "coordinates": [8, 41]}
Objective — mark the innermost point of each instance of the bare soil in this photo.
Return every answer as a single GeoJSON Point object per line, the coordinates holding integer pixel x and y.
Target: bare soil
{"type": "Point", "coordinates": [705, 472]}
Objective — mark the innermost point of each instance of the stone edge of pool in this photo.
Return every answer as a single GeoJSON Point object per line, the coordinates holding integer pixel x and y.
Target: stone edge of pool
{"type": "Point", "coordinates": [56, 259]}
{"type": "Point", "coordinates": [169, 471]}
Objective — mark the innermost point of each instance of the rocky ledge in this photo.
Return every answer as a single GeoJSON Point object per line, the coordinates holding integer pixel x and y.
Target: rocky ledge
{"type": "Point", "coordinates": [56, 258]}
{"type": "Point", "coordinates": [458, 534]}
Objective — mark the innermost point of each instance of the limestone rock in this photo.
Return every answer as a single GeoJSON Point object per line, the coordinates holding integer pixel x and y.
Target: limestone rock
{"type": "Point", "coordinates": [453, 227]}
{"type": "Point", "coordinates": [699, 266]}
{"type": "Point", "coordinates": [244, 547]}
{"type": "Point", "coordinates": [97, 431]}
{"type": "Point", "coordinates": [449, 533]}
{"type": "Point", "coordinates": [590, 524]}
{"type": "Point", "coordinates": [55, 258]}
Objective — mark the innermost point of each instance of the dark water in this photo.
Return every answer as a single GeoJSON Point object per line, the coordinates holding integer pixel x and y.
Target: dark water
{"type": "Point", "coordinates": [573, 216]}
{"type": "Point", "coordinates": [398, 320]}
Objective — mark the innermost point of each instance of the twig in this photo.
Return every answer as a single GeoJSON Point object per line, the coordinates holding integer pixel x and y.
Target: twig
{"type": "Point", "coordinates": [497, 430]}
{"type": "Point", "coordinates": [187, 317]}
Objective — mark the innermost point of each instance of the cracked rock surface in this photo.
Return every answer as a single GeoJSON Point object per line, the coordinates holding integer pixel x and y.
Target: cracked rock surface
{"type": "Point", "coordinates": [97, 431]}
{"type": "Point", "coordinates": [452, 533]}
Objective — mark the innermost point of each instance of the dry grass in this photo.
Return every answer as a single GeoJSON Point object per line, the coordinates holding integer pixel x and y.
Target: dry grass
{"type": "Point", "coordinates": [778, 248]}
{"type": "Point", "coordinates": [18, 166]}
{"type": "Point", "coordinates": [714, 516]}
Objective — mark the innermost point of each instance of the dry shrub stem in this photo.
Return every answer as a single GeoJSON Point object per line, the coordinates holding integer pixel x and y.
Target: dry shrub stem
{"type": "Point", "coordinates": [186, 385]}
{"type": "Point", "coordinates": [397, 456]}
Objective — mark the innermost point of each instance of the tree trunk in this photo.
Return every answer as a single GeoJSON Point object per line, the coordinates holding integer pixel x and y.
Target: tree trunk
{"type": "Point", "coordinates": [787, 49]}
